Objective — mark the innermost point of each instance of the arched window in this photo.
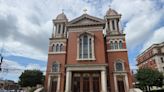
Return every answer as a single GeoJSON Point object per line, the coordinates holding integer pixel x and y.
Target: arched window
{"type": "Point", "coordinates": [90, 48]}
{"type": "Point", "coordinates": [85, 46]}
{"type": "Point", "coordinates": [120, 45]}
{"type": "Point", "coordinates": [115, 45]}
{"type": "Point", "coordinates": [53, 48]}
{"type": "Point", "coordinates": [55, 67]}
{"type": "Point", "coordinates": [61, 47]}
{"type": "Point", "coordinates": [111, 45]}
{"type": "Point", "coordinates": [80, 49]}
{"type": "Point", "coordinates": [57, 48]}
{"type": "Point", "coordinates": [119, 66]}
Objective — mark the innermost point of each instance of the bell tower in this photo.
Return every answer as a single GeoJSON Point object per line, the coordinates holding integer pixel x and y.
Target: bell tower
{"type": "Point", "coordinates": [117, 56]}
{"type": "Point", "coordinates": [112, 22]}
{"type": "Point", "coordinates": [57, 55]}
{"type": "Point", "coordinates": [60, 26]}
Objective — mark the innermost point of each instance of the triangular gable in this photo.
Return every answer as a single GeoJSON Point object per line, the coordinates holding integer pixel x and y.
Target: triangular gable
{"type": "Point", "coordinates": [86, 19]}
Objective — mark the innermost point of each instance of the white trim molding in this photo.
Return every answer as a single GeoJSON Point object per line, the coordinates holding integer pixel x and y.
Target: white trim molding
{"type": "Point", "coordinates": [63, 52]}
{"type": "Point", "coordinates": [116, 50]}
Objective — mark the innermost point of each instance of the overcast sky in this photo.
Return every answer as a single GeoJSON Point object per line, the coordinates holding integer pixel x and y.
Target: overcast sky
{"type": "Point", "coordinates": [26, 26]}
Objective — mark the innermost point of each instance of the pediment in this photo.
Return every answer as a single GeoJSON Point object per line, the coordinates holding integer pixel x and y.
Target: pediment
{"type": "Point", "coordinates": [86, 19]}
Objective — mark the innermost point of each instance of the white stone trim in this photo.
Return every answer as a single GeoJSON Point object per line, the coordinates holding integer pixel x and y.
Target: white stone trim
{"type": "Point", "coordinates": [61, 29]}
{"type": "Point", "coordinates": [103, 81]}
{"type": "Point", "coordinates": [120, 61]}
{"type": "Point", "coordinates": [125, 80]}
{"type": "Point", "coordinates": [49, 83]}
{"type": "Point", "coordinates": [116, 50]}
{"type": "Point", "coordinates": [113, 40]}
{"type": "Point", "coordinates": [63, 52]}
{"type": "Point", "coordinates": [115, 24]}
{"type": "Point", "coordinates": [58, 84]}
{"type": "Point", "coordinates": [84, 29]}
{"type": "Point", "coordinates": [68, 81]}
{"type": "Point", "coordinates": [84, 67]}
{"type": "Point", "coordinates": [116, 37]}
{"type": "Point", "coordinates": [83, 59]}
{"type": "Point", "coordinates": [50, 80]}
{"type": "Point", "coordinates": [57, 27]}
{"type": "Point", "coordinates": [92, 47]}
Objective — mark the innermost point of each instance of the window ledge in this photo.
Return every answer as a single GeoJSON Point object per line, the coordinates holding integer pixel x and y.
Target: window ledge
{"type": "Point", "coordinates": [120, 71]}
{"type": "Point", "coordinates": [83, 59]}
{"type": "Point", "coordinates": [63, 52]}
{"type": "Point", "coordinates": [54, 72]}
{"type": "Point", "coordinates": [115, 50]}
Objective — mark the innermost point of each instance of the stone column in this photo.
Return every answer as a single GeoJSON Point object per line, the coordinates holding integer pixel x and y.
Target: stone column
{"type": "Point", "coordinates": [116, 25]}
{"type": "Point", "coordinates": [61, 29]}
{"type": "Point", "coordinates": [68, 81]}
{"type": "Point", "coordinates": [126, 83]}
{"type": "Point", "coordinates": [110, 24]}
{"type": "Point", "coordinates": [103, 81]}
{"type": "Point", "coordinates": [49, 83]}
{"type": "Point", "coordinates": [57, 28]}
{"type": "Point", "coordinates": [115, 83]}
{"type": "Point", "coordinates": [58, 84]}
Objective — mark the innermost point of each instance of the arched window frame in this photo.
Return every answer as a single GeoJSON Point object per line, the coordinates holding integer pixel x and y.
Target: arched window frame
{"type": "Point", "coordinates": [57, 47]}
{"type": "Point", "coordinates": [111, 45]}
{"type": "Point", "coordinates": [120, 45]}
{"type": "Point", "coordinates": [55, 67]}
{"type": "Point", "coordinates": [115, 45]}
{"type": "Point", "coordinates": [122, 63]}
{"type": "Point", "coordinates": [53, 48]}
{"type": "Point", "coordinates": [90, 47]}
{"type": "Point", "coordinates": [61, 47]}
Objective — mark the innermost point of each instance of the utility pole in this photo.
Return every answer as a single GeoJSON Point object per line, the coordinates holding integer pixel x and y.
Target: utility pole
{"type": "Point", "coordinates": [1, 62]}
{"type": "Point", "coordinates": [1, 58]}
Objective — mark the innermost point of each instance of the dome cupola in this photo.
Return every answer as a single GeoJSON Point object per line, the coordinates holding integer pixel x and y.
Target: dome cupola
{"type": "Point", "coordinates": [111, 12]}
{"type": "Point", "coordinates": [61, 16]}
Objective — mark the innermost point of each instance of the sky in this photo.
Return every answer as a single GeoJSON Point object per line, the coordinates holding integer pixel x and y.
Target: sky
{"type": "Point", "coordinates": [26, 26]}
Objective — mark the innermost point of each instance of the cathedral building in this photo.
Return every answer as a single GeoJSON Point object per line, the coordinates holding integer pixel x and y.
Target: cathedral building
{"type": "Point", "coordinates": [88, 54]}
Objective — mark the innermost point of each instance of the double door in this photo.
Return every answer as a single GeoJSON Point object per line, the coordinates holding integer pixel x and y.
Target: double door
{"type": "Point", "coordinates": [86, 82]}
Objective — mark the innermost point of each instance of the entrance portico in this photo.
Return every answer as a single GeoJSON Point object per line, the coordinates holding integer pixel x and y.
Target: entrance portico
{"type": "Point", "coordinates": [97, 69]}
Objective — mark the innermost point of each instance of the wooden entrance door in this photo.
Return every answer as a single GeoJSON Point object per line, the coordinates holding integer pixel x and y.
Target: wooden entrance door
{"type": "Point", "coordinates": [120, 85]}
{"type": "Point", "coordinates": [86, 82]}
{"type": "Point", "coordinates": [54, 86]}
{"type": "Point", "coordinates": [96, 84]}
{"type": "Point", "coordinates": [76, 84]}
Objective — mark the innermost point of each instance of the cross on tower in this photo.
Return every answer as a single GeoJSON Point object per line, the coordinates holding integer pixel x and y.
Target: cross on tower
{"type": "Point", "coordinates": [62, 10]}
{"type": "Point", "coordinates": [85, 11]}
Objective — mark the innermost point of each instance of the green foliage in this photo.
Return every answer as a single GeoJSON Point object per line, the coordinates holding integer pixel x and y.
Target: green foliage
{"type": "Point", "coordinates": [31, 78]}
{"type": "Point", "coordinates": [149, 77]}
{"type": "Point", "coordinates": [32, 89]}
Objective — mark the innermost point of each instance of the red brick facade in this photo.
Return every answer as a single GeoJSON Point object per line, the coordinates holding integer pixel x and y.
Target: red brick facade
{"type": "Point", "coordinates": [82, 58]}
{"type": "Point", "coordinates": [153, 57]}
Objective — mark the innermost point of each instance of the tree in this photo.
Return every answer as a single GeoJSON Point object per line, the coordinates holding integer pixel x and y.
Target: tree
{"type": "Point", "coordinates": [31, 78]}
{"type": "Point", "coordinates": [149, 77]}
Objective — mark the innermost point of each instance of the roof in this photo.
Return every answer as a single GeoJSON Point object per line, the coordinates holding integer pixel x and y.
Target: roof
{"type": "Point", "coordinates": [111, 12]}
{"type": "Point", "coordinates": [61, 16]}
{"type": "Point", "coordinates": [90, 20]}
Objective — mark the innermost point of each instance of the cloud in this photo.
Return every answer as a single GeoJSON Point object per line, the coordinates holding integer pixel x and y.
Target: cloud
{"type": "Point", "coordinates": [12, 69]}
{"type": "Point", "coordinates": [156, 38]}
{"type": "Point", "coordinates": [139, 19]}
{"type": "Point", "coordinates": [26, 25]}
